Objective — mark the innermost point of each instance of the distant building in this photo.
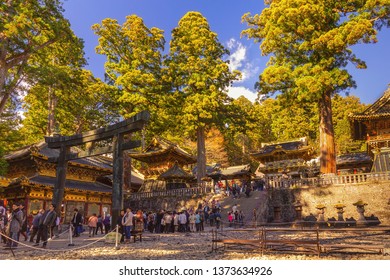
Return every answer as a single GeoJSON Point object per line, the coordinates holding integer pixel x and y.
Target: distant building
{"type": "Point", "coordinates": [353, 163]}
{"type": "Point", "coordinates": [287, 157]}
{"type": "Point", "coordinates": [373, 125]}
{"type": "Point", "coordinates": [168, 166]}
{"type": "Point", "coordinates": [31, 177]}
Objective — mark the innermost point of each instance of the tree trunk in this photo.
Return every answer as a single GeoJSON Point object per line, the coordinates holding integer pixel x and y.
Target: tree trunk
{"type": "Point", "coordinates": [51, 106]}
{"type": "Point", "coordinates": [201, 159]}
{"type": "Point", "coordinates": [4, 94]}
{"type": "Point", "coordinates": [327, 146]}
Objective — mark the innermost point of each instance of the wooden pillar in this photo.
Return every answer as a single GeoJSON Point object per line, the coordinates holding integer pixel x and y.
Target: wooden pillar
{"type": "Point", "coordinates": [117, 184]}
{"type": "Point", "coordinates": [59, 186]}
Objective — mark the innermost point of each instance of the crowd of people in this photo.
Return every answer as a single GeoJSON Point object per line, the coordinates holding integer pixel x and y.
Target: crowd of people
{"type": "Point", "coordinates": [15, 222]}
{"type": "Point", "coordinates": [37, 229]}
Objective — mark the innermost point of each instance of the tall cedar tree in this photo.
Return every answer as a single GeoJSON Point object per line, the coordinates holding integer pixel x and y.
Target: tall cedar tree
{"type": "Point", "coordinates": [309, 41]}
{"type": "Point", "coordinates": [199, 78]}
{"type": "Point", "coordinates": [26, 27]}
{"type": "Point", "coordinates": [134, 63]}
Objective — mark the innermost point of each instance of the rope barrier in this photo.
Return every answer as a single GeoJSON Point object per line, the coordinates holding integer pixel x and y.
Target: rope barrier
{"type": "Point", "coordinates": [48, 249]}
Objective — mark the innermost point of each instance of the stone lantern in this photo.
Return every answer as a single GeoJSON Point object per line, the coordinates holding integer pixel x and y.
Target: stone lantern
{"type": "Point", "coordinates": [340, 210]}
{"type": "Point", "coordinates": [298, 211]}
{"type": "Point", "coordinates": [321, 213]}
{"type": "Point", "coordinates": [361, 221]}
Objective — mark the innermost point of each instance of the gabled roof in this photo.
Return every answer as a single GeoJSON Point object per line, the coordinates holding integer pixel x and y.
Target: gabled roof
{"type": "Point", "coordinates": [298, 147]}
{"type": "Point", "coordinates": [236, 170]}
{"type": "Point", "coordinates": [69, 184]}
{"type": "Point", "coordinates": [379, 109]}
{"type": "Point", "coordinates": [161, 150]}
{"type": "Point", "coordinates": [41, 150]}
{"type": "Point", "coordinates": [358, 158]}
{"type": "Point", "coordinates": [175, 172]}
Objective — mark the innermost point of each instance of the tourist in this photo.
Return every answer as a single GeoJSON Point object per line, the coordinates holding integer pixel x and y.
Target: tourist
{"type": "Point", "coordinates": [218, 218]}
{"type": "Point", "coordinates": [48, 222]}
{"type": "Point", "coordinates": [150, 222]}
{"type": "Point", "coordinates": [175, 222]}
{"type": "Point", "coordinates": [54, 232]}
{"type": "Point", "coordinates": [192, 219]}
{"type": "Point", "coordinates": [241, 217]}
{"type": "Point", "coordinates": [168, 222]}
{"type": "Point", "coordinates": [234, 208]}
{"type": "Point", "coordinates": [127, 223]}
{"type": "Point", "coordinates": [77, 222]}
{"type": "Point", "coordinates": [107, 223]}
{"type": "Point", "coordinates": [206, 211]}
{"type": "Point", "coordinates": [23, 230]}
{"type": "Point", "coordinates": [158, 218]}
{"type": "Point", "coordinates": [197, 220]}
{"type": "Point", "coordinates": [99, 225]}
{"type": "Point", "coordinates": [14, 226]}
{"type": "Point", "coordinates": [138, 222]}
{"type": "Point", "coordinates": [120, 226]}
{"type": "Point", "coordinates": [3, 220]}
{"type": "Point", "coordinates": [230, 218]}
{"type": "Point", "coordinates": [202, 219]}
{"type": "Point", "coordinates": [247, 191]}
{"type": "Point", "coordinates": [92, 224]}
{"type": "Point", "coordinates": [182, 221]}
{"type": "Point", "coordinates": [35, 224]}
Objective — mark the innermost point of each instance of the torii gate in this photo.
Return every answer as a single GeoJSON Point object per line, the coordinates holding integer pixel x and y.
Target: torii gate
{"type": "Point", "coordinates": [116, 132]}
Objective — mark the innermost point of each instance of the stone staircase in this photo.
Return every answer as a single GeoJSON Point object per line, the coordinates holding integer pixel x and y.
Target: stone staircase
{"type": "Point", "coordinates": [258, 200]}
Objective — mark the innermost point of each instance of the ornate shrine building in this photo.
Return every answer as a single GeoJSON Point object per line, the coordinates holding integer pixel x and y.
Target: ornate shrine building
{"type": "Point", "coordinates": [288, 157]}
{"type": "Point", "coordinates": [168, 166]}
{"type": "Point", "coordinates": [373, 125]}
{"type": "Point", "coordinates": [31, 178]}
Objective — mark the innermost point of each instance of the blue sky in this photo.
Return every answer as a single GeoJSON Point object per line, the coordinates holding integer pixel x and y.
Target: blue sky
{"type": "Point", "coordinates": [224, 17]}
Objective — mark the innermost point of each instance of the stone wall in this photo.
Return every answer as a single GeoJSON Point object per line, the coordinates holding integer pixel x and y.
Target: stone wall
{"type": "Point", "coordinates": [376, 195]}
{"type": "Point", "coordinates": [169, 203]}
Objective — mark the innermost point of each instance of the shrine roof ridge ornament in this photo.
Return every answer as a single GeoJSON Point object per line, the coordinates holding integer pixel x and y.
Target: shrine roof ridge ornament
{"type": "Point", "coordinates": [132, 124]}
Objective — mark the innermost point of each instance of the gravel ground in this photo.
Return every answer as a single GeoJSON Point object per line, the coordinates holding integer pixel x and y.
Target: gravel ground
{"type": "Point", "coordinates": [189, 246]}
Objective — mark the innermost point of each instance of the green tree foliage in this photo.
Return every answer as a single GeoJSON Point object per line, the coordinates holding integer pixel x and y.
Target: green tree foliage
{"type": "Point", "coordinates": [83, 105]}
{"type": "Point", "coordinates": [342, 108]}
{"type": "Point", "coordinates": [9, 127]}
{"type": "Point", "coordinates": [9, 133]}
{"type": "Point", "coordinates": [134, 62]}
{"type": "Point", "coordinates": [309, 41]}
{"type": "Point", "coordinates": [199, 78]}
{"type": "Point", "coordinates": [290, 121]}
{"type": "Point", "coordinates": [26, 28]}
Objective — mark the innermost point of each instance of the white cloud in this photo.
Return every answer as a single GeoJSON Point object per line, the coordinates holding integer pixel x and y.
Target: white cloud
{"type": "Point", "coordinates": [236, 92]}
{"type": "Point", "coordinates": [238, 60]}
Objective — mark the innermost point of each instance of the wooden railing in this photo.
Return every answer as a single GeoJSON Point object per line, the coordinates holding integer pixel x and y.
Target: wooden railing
{"type": "Point", "coordinates": [274, 183]}
{"type": "Point", "coordinates": [329, 180]}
